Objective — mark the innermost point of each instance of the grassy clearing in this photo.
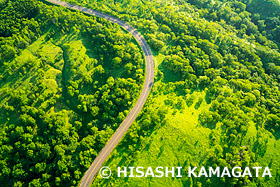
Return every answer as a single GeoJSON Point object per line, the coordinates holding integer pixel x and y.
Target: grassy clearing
{"type": "Point", "coordinates": [45, 57]}
{"type": "Point", "coordinates": [180, 142]}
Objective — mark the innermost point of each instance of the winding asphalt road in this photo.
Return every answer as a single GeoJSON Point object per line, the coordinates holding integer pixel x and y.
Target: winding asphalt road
{"type": "Point", "coordinates": [111, 144]}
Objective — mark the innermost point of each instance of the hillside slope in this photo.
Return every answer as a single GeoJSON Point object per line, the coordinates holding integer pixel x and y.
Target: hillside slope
{"type": "Point", "coordinates": [66, 83]}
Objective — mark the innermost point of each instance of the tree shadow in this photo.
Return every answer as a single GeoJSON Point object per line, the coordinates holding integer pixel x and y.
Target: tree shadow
{"type": "Point", "coordinates": [168, 75]}
{"type": "Point", "coordinates": [197, 104]}
{"type": "Point", "coordinates": [161, 151]}
{"type": "Point", "coordinates": [275, 132]}
{"type": "Point", "coordinates": [207, 98]}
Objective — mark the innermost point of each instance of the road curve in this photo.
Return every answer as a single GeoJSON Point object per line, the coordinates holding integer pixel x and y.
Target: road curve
{"type": "Point", "coordinates": [111, 144]}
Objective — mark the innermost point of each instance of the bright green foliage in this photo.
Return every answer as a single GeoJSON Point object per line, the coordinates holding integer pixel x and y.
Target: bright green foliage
{"type": "Point", "coordinates": [226, 49]}
{"type": "Point", "coordinates": [215, 100]}
{"type": "Point", "coordinates": [60, 95]}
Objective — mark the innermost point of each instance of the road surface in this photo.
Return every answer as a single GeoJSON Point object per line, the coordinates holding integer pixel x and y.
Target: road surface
{"type": "Point", "coordinates": [111, 144]}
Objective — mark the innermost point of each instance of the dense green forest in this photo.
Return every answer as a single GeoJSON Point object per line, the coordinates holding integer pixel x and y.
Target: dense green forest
{"type": "Point", "coordinates": [66, 83]}
{"type": "Point", "coordinates": [219, 68]}
{"type": "Point", "coordinates": [68, 80]}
